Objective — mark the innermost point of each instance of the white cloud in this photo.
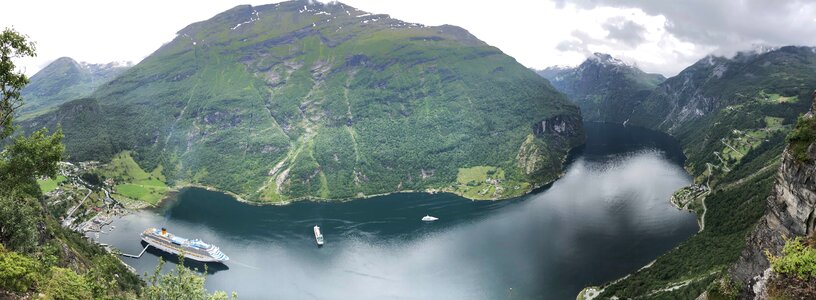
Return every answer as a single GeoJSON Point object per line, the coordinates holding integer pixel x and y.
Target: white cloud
{"type": "Point", "coordinates": [529, 30]}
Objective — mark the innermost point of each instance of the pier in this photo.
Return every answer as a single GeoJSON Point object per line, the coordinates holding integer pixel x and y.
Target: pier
{"type": "Point", "coordinates": [136, 256]}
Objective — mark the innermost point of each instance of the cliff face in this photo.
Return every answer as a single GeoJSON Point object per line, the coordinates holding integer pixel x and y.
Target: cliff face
{"type": "Point", "coordinates": [561, 127]}
{"type": "Point", "coordinates": [560, 131]}
{"type": "Point", "coordinates": [791, 212]}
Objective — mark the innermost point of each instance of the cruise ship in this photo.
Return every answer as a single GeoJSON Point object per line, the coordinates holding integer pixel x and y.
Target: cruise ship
{"type": "Point", "coordinates": [192, 249]}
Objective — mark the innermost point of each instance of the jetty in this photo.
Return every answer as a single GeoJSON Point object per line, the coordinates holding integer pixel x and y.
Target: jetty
{"type": "Point", "coordinates": [136, 256]}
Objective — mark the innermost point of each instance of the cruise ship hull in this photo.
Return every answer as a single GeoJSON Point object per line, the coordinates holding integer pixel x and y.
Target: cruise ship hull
{"type": "Point", "coordinates": [180, 246]}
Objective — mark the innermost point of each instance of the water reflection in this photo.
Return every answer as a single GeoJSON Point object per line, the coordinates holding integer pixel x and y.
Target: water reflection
{"type": "Point", "coordinates": [606, 217]}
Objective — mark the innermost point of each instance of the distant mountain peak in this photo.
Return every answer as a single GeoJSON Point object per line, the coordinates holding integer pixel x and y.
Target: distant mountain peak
{"type": "Point", "coordinates": [559, 67]}
{"type": "Point", "coordinates": [65, 79]}
{"type": "Point", "coordinates": [604, 87]}
{"type": "Point", "coordinates": [606, 59]}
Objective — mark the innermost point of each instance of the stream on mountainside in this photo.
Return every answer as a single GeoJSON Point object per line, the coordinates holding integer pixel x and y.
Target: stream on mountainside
{"type": "Point", "coordinates": [607, 216]}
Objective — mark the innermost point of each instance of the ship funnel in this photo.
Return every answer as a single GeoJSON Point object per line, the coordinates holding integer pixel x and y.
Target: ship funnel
{"type": "Point", "coordinates": [164, 231]}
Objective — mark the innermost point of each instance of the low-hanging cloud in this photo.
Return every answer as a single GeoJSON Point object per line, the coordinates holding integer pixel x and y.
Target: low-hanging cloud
{"type": "Point", "coordinates": [725, 25]}
{"type": "Point", "coordinates": [626, 31]}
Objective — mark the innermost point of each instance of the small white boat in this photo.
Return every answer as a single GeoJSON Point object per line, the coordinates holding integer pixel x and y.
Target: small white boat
{"type": "Point", "coordinates": [318, 236]}
{"type": "Point", "coordinates": [429, 218]}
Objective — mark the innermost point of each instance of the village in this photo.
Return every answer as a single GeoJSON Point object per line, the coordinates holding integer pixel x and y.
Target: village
{"type": "Point", "coordinates": [80, 203]}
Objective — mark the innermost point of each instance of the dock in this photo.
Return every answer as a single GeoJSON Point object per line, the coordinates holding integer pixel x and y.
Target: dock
{"type": "Point", "coordinates": [136, 256]}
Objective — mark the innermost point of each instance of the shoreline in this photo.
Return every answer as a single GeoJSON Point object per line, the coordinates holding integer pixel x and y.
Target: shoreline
{"type": "Point", "coordinates": [176, 189]}
{"type": "Point", "coordinates": [593, 291]}
{"type": "Point", "coordinates": [533, 189]}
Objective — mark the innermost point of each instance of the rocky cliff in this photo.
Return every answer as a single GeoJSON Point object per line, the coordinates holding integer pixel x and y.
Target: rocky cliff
{"type": "Point", "coordinates": [791, 212]}
{"type": "Point", "coordinates": [559, 131]}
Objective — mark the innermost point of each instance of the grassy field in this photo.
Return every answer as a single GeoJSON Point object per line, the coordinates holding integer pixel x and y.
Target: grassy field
{"type": "Point", "coordinates": [50, 184]}
{"type": "Point", "coordinates": [777, 98]}
{"type": "Point", "coordinates": [744, 141]}
{"type": "Point", "coordinates": [133, 182]}
{"type": "Point", "coordinates": [485, 182]}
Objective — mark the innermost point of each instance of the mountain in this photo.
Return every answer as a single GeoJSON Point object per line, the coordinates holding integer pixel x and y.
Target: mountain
{"type": "Point", "coordinates": [308, 100]}
{"type": "Point", "coordinates": [65, 79]}
{"type": "Point", "coordinates": [605, 88]}
{"type": "Point", "coordinates": [731, 116]}
{"type": "Point", "coordinates": [790, 211]}
{"type": "Point", "coordinates": [753, 93]}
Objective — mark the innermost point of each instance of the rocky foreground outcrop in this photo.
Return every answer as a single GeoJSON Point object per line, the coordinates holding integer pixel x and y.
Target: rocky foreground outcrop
{"type": "Point", "coordinates": [791, 212]}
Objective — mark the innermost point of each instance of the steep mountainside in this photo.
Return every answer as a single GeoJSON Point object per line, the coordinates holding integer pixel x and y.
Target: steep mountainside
{"type": "Point", "coordinates": [606, 89]}
{"type": "Point", "coordinates": [731, 116]}
{"type": "Point", "coordinates": [64, 80]}
{"type": "Point", "coordinates": [720, 107]}
{"type": "Point", "coordinates": [309, 100]}
{"type": "Point", "coordinates": [714, 83]}
{"type": "Point", "coordinates": [791, 209]}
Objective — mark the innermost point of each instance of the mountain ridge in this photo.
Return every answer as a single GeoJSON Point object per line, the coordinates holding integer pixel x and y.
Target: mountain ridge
{"type": "Point", "coordinates": [605, 88]}
{"type": "Point", "coordinates": [65, 79]}
{"type": "Point", "coordinates": [731, 117]}
{"type": "Point", "coordinates": [307, 100]}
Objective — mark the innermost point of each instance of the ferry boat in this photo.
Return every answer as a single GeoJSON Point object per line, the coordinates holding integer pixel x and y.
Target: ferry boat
{"type": "Point", "coordinates": [318, 236]}
{"type": "Point", "coordinates": [193, 249]}
{"type": "Point", "coordinates": [429, 218]}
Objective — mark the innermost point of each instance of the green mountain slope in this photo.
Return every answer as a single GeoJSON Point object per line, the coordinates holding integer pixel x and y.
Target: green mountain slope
{"type": "Point", "coordinates": [721, 108]}
{"type": "Point", "coordinates": [731, 115]}
{"type": "Point", "coordinates": [605, 88]}
{"type": "Point", "coordinates": [298, 100]}
{"type": "Point", "coordinates": [64, 80]}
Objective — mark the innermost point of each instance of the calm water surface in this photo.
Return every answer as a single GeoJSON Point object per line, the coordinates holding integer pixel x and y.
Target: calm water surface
{"type": "Point", "coordinates": [608, 216]}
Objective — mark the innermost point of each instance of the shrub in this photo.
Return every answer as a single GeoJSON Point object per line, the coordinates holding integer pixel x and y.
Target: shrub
{"type": "Point", "coordinates": [797, 259]}
{"type": "Point", "coordinates": [801, 137]}
{"type": "Point", "coordinates": [66, 284]}
{"type": "Point", "coordinates": [18, 273]}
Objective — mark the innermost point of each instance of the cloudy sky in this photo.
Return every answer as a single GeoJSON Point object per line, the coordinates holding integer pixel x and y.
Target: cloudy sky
{"type": "Point", "coordinates": [658, 36]}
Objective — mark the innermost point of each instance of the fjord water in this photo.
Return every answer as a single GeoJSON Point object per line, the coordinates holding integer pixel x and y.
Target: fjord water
{"type": "Point", "coordinates": [607, 216]}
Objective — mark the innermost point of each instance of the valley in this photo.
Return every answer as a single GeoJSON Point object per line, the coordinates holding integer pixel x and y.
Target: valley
{"type": "Point", "coordinates": [307, 140]}
{"type": "Point", "coordinates": [733, 133]}
{"type": "Point", "coordinates": [609, 205]}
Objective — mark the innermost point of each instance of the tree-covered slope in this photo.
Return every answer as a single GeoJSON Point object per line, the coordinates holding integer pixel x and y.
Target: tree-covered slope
{"type": "Point", "coordinates": [64, 80]}
{"type": "Point", "coordinates": [731, 115]}
{"type": "Point", "coordinates": [605, 88]}
{"type": "Point", "coordinates": [720, 108]}
{"type": "Point", "coordinates": [309, 100]}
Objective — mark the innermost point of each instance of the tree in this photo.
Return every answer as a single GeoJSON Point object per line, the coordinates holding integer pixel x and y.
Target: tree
{"type": "Point", "coordinates": [28, 158]}
{"type": "Point", "coordinates": [182, 283]}
{"type": "Point", "coordinates": [18, 222]}
{"type": "Point", "coordinates": [12, 45]}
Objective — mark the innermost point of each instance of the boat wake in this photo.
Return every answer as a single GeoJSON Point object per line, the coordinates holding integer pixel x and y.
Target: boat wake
{"type": "Point", "coordinates": [234, 262]}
